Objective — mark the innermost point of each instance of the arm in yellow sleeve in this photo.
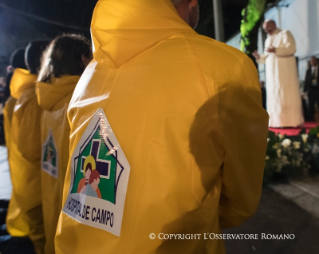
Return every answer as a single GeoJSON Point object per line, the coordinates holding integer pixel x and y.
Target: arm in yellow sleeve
{"type": "Point", "coordinates": [244, 127]}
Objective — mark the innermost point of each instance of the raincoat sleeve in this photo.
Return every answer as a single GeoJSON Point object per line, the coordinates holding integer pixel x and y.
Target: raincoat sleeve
{"type": "Point", "coordinates": [289, 48]}
{"type": "Point", "coordinates": [7, 115]}
{"type": "Point", "coordinates": [29, 138]}
{"type": "Point", "coordinates": [263, 57]}
{"type": "Point", "coordinates": [244, 127]}
{"type": "Point", "coordinates": [26, 171]}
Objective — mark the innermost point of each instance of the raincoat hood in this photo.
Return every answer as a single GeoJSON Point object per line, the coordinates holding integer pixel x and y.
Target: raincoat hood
{"type": "Point", "coordinates": [21, 81]}
{"type": "Point", "coordinates": [48, 94]}
{"type": "Point", "coordinates": [123, 29]}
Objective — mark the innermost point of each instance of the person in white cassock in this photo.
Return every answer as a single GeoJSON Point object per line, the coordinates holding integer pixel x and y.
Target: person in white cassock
{"type": "Point", "coordinates": [282, 85]}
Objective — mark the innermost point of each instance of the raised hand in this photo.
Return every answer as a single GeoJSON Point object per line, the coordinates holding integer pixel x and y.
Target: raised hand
{"type": "Point", "coordinates": [256, 55]}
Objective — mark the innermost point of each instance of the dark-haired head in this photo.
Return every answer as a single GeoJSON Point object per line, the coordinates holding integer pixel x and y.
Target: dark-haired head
{"type": "Point", "coordinates": [66, 55]}
{"type": "Point", "coordinates": [17, 59]}
{"type": "Point", "coordinates": [33, 53]}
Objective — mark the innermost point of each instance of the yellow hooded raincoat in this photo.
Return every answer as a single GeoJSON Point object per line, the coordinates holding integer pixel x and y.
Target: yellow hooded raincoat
{"type": "Point", "coordinates": [187, 116]}
{"type": "Point", "coordinates": [7, 116]}
{"type": "Point", "coordinates": [54, 99]}
{"type": "Point", "coordinates": [24, 216]}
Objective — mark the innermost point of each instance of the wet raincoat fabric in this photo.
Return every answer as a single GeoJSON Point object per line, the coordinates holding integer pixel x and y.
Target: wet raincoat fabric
{"type": "Point", "coordinates": [7, 117]}
{"type": "Point", "coordinates": [186, 110]}
{"type": "Point", "coordinates": [24, 216]}
{"type": "Point", "coordinates": [54, 99]}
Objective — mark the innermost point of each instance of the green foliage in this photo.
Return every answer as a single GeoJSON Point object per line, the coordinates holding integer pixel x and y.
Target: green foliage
{"type": "Point", "coordinates": [251, 15]}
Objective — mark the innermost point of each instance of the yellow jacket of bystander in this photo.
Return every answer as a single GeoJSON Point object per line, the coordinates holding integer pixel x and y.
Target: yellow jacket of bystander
{"type": "Point", "coordinates": [54, 98]}
{"type": "Point", "coordinates": [168, 125]}
{"type": "Point", "coordinates": [7, 119]}
{"type": "Point", "coordinates": [24, 216]}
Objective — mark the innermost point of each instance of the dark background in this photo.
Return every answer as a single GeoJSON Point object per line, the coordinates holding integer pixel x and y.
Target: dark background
{"type": "Point", "coordinates": [24, 20]}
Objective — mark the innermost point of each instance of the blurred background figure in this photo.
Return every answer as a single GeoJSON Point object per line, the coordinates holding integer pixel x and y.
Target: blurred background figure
{"type": "Point", "coordinates": [311, 87]}
{"type": "Point", "coordinates": [283, 96]}
{"type": "Point", "coordinates": [62, 65]}
{"type": "Point", "coordinates": [263, 93]}
{"type": "Point", "coordinates": [16, 61]}
{"type": "Point", "coordinates": [24, 217]}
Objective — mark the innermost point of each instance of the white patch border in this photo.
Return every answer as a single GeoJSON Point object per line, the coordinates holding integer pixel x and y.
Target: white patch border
{"type": "Point", "coordinates": [118, 208]}
{"type": "Point", "coordinates": [45, 143]}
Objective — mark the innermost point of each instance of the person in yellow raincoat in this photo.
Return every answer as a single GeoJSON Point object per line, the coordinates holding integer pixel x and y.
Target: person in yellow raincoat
{"type": "Point", "coordinates": [173, 123]}
{"type": "Point", "coordinates": [7, 117]}
{"type": "Point", "coordinates": [24, 217]}
{"type": "Point", "coordinates": [62, 65]}
{"type": "Point", "coordinates": [16, 61]}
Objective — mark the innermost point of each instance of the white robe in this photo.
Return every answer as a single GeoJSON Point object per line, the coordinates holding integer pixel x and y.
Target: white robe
{"type": "Point", "coordinates": [282, 85]}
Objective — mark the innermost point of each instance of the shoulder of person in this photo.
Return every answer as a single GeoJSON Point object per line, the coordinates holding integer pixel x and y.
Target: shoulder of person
{"type": "Point", "coordinates": [286, 32]}
{"type": "Point", "coordinates": [215, 50]}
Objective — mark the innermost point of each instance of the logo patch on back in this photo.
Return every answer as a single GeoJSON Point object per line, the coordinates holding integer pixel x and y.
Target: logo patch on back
{"type": "Point", "coordinates": [100, 173]}
{"type": "Point", "coordinates": [49, 160]}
